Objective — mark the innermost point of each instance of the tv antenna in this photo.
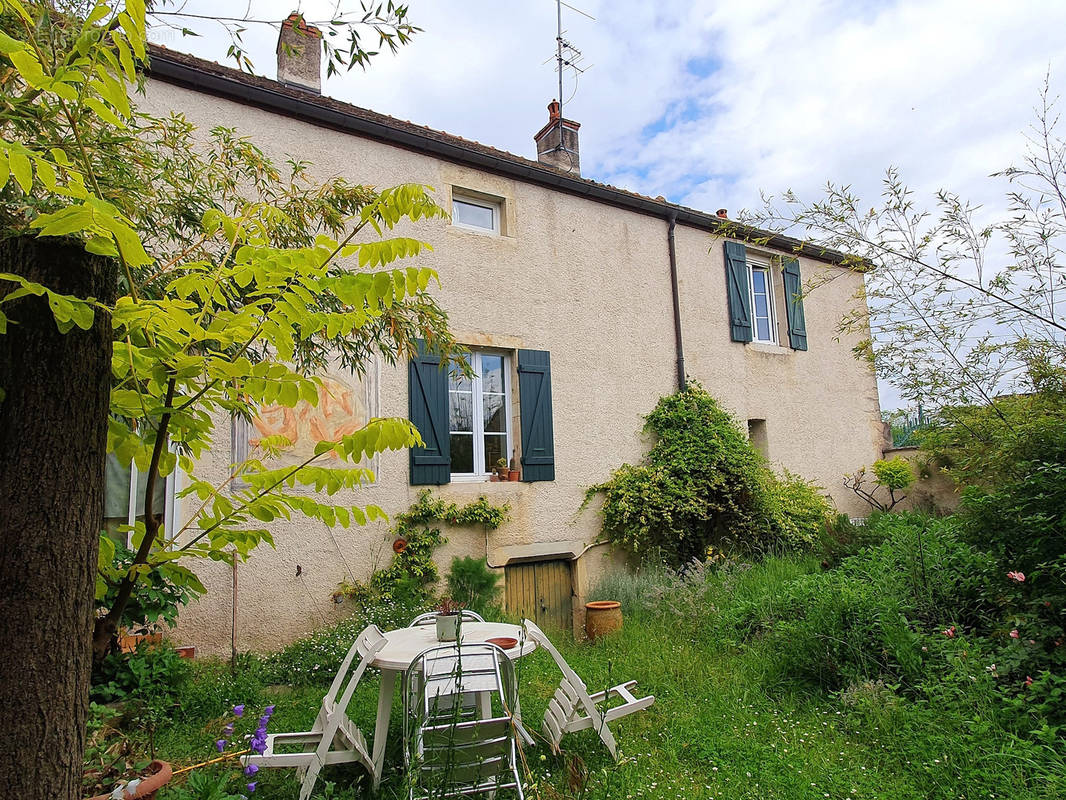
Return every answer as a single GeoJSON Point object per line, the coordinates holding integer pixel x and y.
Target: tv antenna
{"type": "Point", "coordinates": [566, 55]}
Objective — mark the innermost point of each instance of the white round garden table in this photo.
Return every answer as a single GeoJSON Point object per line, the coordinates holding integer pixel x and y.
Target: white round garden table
{"type": "Point", "coordinates": [403, 645]}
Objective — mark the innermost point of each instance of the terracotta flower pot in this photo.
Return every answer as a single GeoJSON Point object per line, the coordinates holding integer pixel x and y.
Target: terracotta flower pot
{"type": "Point", "coordinates": [513, 475]}
{"type": "Point", "coordinates": [159, 775]}
{"type": "Point", "coordinates": [602, 617]}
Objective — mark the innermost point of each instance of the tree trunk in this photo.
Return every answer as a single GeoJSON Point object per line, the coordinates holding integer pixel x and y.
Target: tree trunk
{"type": "Point", "coordinates": [53, 435]}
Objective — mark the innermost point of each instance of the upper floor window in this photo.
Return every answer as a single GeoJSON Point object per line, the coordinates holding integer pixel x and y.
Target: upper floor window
{"type": "Point", "coordinates": [479, 414]}
{"type": "Point", "coordinates": [764, 323]}
{"type": "Point", "coordinates": [476, 214]}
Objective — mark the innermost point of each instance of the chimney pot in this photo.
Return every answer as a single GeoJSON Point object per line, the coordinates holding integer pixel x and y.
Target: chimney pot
{"type": "Point", "coordinates": [723, 213]}
{"type": "Point", "coordinates": [557, 144]}
{"type": "Point", "coordinates": [300, 54]}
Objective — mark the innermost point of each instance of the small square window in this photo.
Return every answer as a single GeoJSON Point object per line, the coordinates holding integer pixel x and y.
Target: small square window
{"type": "Point", "coordinates": [478, 215]}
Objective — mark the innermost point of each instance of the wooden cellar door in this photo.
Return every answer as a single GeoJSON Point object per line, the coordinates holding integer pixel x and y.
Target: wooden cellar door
{"type": "Point", "coordinates": [541, 591]}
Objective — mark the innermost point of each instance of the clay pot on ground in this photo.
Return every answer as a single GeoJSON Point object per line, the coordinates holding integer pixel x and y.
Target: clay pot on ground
{"type": "Point", "coordinates": [513, 475]}
{"type": "Point", "coordinates": [159, 775]}
{"type": "Point", "coordinates": [602, 617]}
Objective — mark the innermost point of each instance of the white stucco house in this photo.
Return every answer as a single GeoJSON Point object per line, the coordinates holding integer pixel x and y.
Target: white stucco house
{"type": "Point", "coordinates": [582, 304]}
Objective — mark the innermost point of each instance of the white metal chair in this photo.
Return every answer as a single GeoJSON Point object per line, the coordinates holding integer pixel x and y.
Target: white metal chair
{"type": "Point", "coordinates": [430, 618]}
{"type": "Point", "coordinates": [454, 749]}
{"type": "Point", "coordinates": [334, 738]}
{"type": "Point", "coordinates": [573, 709]}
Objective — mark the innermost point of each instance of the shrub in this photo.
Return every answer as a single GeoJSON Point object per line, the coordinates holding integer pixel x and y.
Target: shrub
{"type": "Point", "coordinates": [473, 584]}
{"type": "Point", "coordinates": [149, 673]}
{"type": "Point", "coordinates": [703, 484]}
{"type": "Point", "coordinates": [800, 511]}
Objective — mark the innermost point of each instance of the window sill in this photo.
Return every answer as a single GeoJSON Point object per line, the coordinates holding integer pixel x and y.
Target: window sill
{"type": "Point", "coordinates": [770, 349]}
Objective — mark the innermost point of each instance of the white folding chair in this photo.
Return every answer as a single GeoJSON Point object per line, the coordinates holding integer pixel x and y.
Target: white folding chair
{"type": "Point", "coordinates": [430, 618]}
{"type": "Point", "coordinates": [449, 751]}
{"type": "Point", "coordinates": [334, 738]}
{"type": "Point", "coordinates": [573, 709]}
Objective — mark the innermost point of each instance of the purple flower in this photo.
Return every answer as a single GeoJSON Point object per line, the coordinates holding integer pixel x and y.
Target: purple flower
{"type": "Point", "coordinates": [264, 720]}
{"type": "Point", "coordinates": [220, 745]}
{"type": "Point", "coordinates": [228, 729]}
{"type": "Point", "coordinates": [238, 711]}
{"type": "Point", "coordinates": [268, 710]}
{"type": "Point", "coordinates": [258, 745]}
{"type": "Point", "coordinates": [251, 787]}
{"type": "Point", "coordinates": [251, 769]}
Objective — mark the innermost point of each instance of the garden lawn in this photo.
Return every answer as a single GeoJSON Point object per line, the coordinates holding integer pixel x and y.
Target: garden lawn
{"type": "Point", "coordinates": [724, 724]}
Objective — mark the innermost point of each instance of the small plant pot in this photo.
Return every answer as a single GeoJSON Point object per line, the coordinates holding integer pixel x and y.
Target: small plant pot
{"type": "Point", "coordinates": [513, 475]}
{"type": "Point", "coordinates": [447, 627]}
{"type": "Point", "coordinates": [188, 651]}
{"type": "Point", "coordinates": [128, 643]}
{"type": "Point", "coordinates": [159, 775]}
{"type": "Point", "coordinates": [494, 478]}
{"type": "Point", "coordinates": [602, 617]}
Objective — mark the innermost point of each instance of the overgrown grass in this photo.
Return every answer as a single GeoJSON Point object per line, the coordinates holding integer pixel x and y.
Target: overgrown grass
{"type": "Point", "coordinates": [734, 717]}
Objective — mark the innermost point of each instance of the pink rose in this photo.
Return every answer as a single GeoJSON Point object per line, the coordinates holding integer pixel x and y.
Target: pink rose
{"type": "Point", "coordinates": [1014, 634]}
{"type": "Point", "coordinates": [1016, 576]}
{"type": "Point", "coordinates": [950, 632]}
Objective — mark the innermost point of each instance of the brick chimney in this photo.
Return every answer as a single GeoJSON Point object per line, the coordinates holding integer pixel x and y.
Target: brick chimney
{"type": "Point", "coordinates": [557, 142]}
{"type": "Point", "coordinates": [300, 54]}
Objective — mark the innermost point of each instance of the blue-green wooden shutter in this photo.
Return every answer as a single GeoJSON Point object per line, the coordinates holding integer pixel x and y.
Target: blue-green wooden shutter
{"type": "Point", "coordinates": [738, 291]}
{"type": "Point", "coordinates": [538, 436]}
{"type": "Point", "coordinates": [797, 326]}
{"type": "Point", "coordinates": [427, 404]}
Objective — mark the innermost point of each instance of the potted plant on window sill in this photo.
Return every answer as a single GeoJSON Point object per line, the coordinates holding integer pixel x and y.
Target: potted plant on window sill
{"type": "Point", "coordinates": [499, 472]}
{"type": "Point", "coordinates": [448, 612]}
{"type": "Point", "coordinates": [513, 474]}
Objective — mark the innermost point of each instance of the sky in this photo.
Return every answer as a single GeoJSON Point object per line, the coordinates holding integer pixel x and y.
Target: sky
{"type": "Point", "coordinates": [710, 103]}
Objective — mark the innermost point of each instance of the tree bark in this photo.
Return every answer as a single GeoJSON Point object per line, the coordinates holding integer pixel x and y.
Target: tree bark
{"type": "Point", "coordinates": [53, 436]}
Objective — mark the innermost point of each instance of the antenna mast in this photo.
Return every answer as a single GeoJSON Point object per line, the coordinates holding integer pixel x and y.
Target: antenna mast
{"type": "Point", "coordinates": [566, 55]}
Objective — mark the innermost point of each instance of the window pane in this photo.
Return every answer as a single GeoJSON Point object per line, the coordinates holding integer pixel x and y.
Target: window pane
{"type": "Point", "coordinates": [495, 413]}
{"type": "Point", "coordinates": [460, 411]}
{"type": "Point", "coordinates": [495, 449]}
{"type": "Point", "coordinates": [762, 330]}
{"type": "Point", "coordinates": [491, 373]}
{"type": "Point", "coordinates": [476, 216]}
{"type": "Point", "coordinates": [456, 379]}
{"type": "Point", "coordinates": [462, 447]}
{"type": "Point", "coordinates": [758, 281]}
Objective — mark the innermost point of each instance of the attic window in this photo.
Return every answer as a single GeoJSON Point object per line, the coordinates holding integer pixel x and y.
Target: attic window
{"type": "Point", "coordinates": [476, 213]}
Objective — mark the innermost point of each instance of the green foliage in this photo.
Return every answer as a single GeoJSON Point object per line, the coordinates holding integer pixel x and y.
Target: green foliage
{"type": "Point", "coordinates": [205, 784]}
{"type": "Point", "coordinates": [894, 474]}
{"type": "Point", "coordinates": [473, 584]}
{"type": "Point", "coordinates": [800, 511]}
{"type": "Point", "coordinates": [151, 673]}
{"type": "Point", "coordinates": [702, 484]}
{"type": "Point", "coordinates": [158, 596]}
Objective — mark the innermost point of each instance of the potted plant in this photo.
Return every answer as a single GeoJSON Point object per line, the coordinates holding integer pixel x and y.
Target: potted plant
{"type": "Point", "coordinates": [500, 470]}
{"type": "Point", "coordinates": [513, 473]}
{"type": "Point", "coordinates": [448, 612]}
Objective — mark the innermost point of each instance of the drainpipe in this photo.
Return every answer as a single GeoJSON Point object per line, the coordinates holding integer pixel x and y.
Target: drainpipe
{"type": "Point", "coordinates": [672, 220]}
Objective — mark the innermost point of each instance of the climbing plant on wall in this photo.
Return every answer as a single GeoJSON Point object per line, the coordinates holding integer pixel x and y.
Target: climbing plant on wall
{"type": "Point", "coordinates": [703, 484]}
{"type": "Point", "coordinates": [412, 573]}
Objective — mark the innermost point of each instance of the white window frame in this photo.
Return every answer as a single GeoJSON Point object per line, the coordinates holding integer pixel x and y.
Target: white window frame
{"type": "Point", "coordinates": [492, 205]}
{"type": "Point", "coordinates": [478, 414]}
{"type": "Point", "coordinates": [171, 501]}
{"type": "Point", "coordinates": [762, 265]}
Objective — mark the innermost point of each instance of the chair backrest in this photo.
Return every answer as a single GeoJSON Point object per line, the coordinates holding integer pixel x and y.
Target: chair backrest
{"type": "Point", "coordinates": [465, 758]}
{"type": "Point", "coordinates": [430, 618]}
{"type": "Point", "coordinates": [572, 692]}
{"type": "Point", "coordinates": [450, 750]}
{"type": "Point", "coordinates": [366, 644]}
